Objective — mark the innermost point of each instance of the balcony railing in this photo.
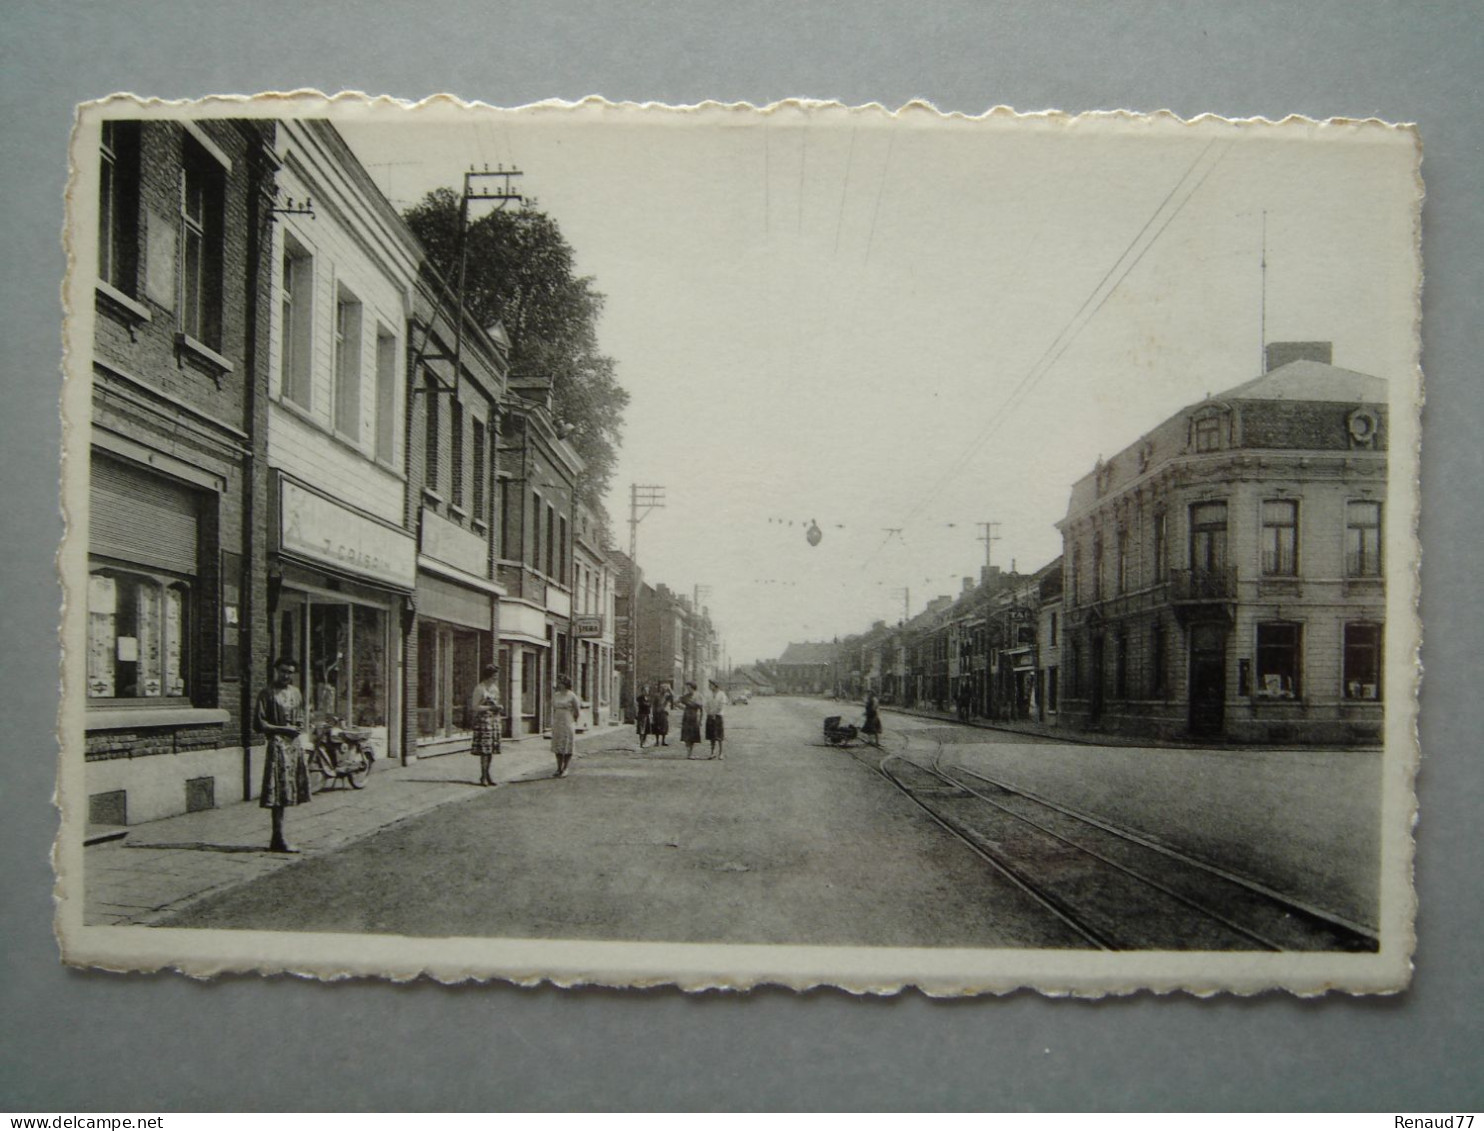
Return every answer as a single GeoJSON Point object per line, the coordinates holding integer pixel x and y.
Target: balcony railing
{"type": "Point", "coordinates": [1201, 585]}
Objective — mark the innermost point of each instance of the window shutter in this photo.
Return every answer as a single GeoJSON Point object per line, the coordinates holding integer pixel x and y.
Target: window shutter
{"type": "Point", "coordinates": [142, 518]}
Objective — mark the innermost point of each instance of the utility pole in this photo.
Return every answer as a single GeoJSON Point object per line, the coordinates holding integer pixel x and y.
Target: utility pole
{"type": "Point", "coordinates": [503, 196]}
{"type": "Point", "coordinates": [642, 500]}
{"type": "Point", "coordinates": [1262, 331]}
{"type": "Point", "coordinates": [989, 537]}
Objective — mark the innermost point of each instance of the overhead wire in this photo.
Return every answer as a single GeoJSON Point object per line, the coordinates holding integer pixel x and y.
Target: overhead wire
{"type": "Point", "coordinates": [1077, 322]}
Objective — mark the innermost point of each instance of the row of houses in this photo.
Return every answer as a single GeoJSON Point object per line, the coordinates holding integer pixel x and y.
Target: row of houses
{"type": "Point", "coordinates": [675, 641]}
{"type": "Point", "coordinates": [1221, 578]}
{"type": "Point", "coordinates": [301, 446]}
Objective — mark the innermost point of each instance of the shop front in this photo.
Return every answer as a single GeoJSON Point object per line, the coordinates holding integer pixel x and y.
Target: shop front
{"type": "Point", "coordinates": [591, 673]}
{"type": "Point", "coordinates": [525, 666]}
{"type": "Point", "coordinates": [341, 581]}
{"type": "Point", "coordinates": [456, 631]}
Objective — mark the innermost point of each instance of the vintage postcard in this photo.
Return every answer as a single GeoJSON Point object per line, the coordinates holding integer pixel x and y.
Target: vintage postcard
{"type": "Point", "coordinates": [723, 546]}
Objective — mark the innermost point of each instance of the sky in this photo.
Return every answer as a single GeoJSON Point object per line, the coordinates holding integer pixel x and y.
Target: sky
{"type": "Point", "coordinates": [900, 327]}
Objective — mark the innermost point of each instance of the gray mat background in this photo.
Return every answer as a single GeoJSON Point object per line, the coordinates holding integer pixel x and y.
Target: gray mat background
{"type": "Point", "coordinates": [95, 1042]}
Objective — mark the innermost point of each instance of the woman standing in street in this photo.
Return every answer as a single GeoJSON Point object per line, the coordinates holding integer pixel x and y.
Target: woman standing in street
{"type": "Point", "coordinates": [659, 714]}
{"type": "Point", "coordinates": [690, 719]}
{"type": "Point", "coordinates": [565, 707]}
{"type": "Point", "coordinates": [642, 708]}
{"type": "Point", "coordinates": [872, 725]}
{"type": "Point", "coordinates": [716, 705]}
{"type": "Point", "coordinates": [280, 716]}
{"type": "Point", "coordinates": [486, 712]}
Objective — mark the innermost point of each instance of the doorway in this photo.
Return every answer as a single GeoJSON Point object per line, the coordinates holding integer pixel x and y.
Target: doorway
{"type": "Point", "coordinates": [1207, 679]}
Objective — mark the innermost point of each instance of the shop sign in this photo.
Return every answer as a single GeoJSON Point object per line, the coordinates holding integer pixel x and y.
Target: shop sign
{"type": "Point", "coordinates": [588, 625]}
{"type": "Point", "coordinates": [313, 527]}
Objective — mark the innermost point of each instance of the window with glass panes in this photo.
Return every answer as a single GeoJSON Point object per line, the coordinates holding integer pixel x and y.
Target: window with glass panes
{"type": "Point", "coordinates": [1208, 537]}
{"type": "Point", "coordinates": [1362, 538]}
{"type": "Point", "coordinates": [296, 323]}
{"type": "Point", "coordinates": [1362, 674]}
{"type": "Point", "coordinates": [477, 503]}
{"type": "Point", "coordinates": [1161, 549]}
{"type": "Point", "coordinates": [1278, 658]}
{"type": "Point", "coordinates": [1280, 537]}
{"type": "Point", "coordinates": [201, 204]}
{"type": "Point", "coordinates": [456, 454]}
{"type": "Point", "coordinates": [348, 365]}
{"type": "Point", "coordinates": [118, 205]}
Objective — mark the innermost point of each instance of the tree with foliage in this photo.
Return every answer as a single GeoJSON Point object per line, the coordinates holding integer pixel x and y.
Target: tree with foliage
{"type": "Point", "coordinates": [519, 272]}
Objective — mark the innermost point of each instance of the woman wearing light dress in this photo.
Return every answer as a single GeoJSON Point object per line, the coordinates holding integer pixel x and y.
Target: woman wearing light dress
{"type": "Point", "coordinates": [565, 707]}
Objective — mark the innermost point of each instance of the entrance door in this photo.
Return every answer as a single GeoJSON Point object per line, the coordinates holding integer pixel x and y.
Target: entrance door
{"type": "Point", "coordinates": [1207, 679]}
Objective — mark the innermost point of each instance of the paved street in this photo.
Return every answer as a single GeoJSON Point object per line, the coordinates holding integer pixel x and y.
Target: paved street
{"type": "Point", "coordinates": [787, 840]}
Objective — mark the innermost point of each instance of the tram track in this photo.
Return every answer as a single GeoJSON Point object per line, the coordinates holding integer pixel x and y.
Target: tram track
{"type": "Point", "coordinates": [1117, 889]}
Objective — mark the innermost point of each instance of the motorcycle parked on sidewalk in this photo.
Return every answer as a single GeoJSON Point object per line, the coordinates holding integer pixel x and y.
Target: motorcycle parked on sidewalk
{"type": "Point", "coordinates": [339, 753]}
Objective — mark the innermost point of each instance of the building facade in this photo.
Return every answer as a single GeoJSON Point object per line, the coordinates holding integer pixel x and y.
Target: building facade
{"type": "Point", "coordinates": [661, 636]}
{"type": "Point", "coordinates": [343, 557]}
{"type": "Point", "coordinates": [1223, 574]}
{"type": "Point", "coordinates": [455, 384]}
{"type": "Point", "coordinates": [538, 473]}
{"type": "Point", "coordinates": [595, 581]}
{"type": "Point", "coordinates": [176, 578]}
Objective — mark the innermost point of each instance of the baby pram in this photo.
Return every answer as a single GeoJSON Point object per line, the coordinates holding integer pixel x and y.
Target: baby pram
{"type": "Point", "coordinates": [838, 733]}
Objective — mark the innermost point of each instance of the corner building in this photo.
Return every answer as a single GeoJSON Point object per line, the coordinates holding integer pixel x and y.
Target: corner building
{"type": "Point", "coordinates": [1223, 575]}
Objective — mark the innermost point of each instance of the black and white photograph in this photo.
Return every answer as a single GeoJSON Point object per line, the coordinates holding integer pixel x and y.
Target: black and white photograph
{"type": "Point", "coordinates": [722, 546]}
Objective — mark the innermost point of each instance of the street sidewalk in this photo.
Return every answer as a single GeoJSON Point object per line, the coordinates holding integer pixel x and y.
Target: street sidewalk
{"type": "Point", "coordinates": [165, 865]}
{"type": "Point", "coordinates": [1088, 737]}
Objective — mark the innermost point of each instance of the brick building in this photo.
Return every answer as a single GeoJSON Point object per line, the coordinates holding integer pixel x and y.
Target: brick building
{"type": "Point", "coordinates": [456, 382]}
{"type": "Point", "coordinates": [175, 597]}
{"type": "Point", "coordinates": [661, 636]}
{"type": "Point", "coordinates": [1223, 574]}
{"type": "Point", "coordinates": [538, 474]}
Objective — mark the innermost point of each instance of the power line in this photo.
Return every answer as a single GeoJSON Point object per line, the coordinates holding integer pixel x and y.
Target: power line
{"type": "Point", "coordinates": [1080, 319]}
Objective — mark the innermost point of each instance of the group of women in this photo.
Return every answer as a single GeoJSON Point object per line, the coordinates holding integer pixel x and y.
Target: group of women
{"type": "Point", "coordinates": [487, 713]}
{"type": "Point", "coordinates": [652, 707]}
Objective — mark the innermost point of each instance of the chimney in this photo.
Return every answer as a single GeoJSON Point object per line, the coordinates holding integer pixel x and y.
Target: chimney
{"type": "Point", "coordinates": [968, 584]}
{"type": "Point", "coordinates": [1281, 353]}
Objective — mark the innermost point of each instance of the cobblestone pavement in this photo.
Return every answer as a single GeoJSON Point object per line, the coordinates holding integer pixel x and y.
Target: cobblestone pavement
{"type": "Point", "coordinates": [788, 840]}
{"type": "Point", "coordinates": [166, 865]}
{"type": "Point", "coordinates": [1305, 823]}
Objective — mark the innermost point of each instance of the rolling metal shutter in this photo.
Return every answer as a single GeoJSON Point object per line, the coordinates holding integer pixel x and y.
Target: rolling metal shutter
{"type": "Point", "coordinates": [137, 516]}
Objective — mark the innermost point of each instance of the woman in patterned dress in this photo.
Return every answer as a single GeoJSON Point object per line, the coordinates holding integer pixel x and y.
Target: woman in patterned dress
{"type": "Point", "coordinates": [280, 716]}
{"type": "Point", "coordinates": [485, 711]}
{"type": "Point", "coordinates": [565, 707]}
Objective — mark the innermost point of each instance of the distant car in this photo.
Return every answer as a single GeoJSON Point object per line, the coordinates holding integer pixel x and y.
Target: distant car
{"type": "Point", "coordinates": [742, 698]}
